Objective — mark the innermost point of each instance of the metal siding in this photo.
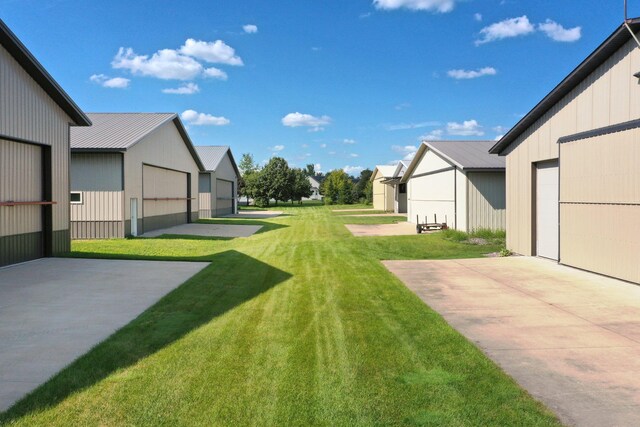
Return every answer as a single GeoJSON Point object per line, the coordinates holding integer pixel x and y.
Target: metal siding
{"type": "Point", "coordinates": [99, 206]}
{"type": "Point", "coordinates": [597, 101]}
{"type": "Point", "coordinates": [432, 195]}
{"type": "Point", "coordinates": [163, 183]}
{"type": "Point", "coordinates": [600, 204]}
{"type": "Point", "coordinates": [205, 205]}
{"type": "Point", "coordinates": [204, 183]}
{"type": "Point", "coordinates": [96, 172]}
{"type": "Point", "coordinates": [487, 200]}
{"type": "Point", "coordinates": [224, 197]}
{"type": "Point", "coordinates": [97, 229]}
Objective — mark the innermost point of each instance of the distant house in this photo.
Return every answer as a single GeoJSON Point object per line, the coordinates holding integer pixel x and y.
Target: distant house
{"type": "Point", "coordinates": [399, 188]}
{"type": "Point", "coordinates": [457, 182]}
{"type": "Point", "coordinates": [218, 186]}
{"type": "Point", "coordinates": [315, 189]}
{"type": "Point", "coordinates": [35, 116]}
{"type": "Point", "coordinates": [383, 194]}
{"type": "Point", "coordinates": [132, 173]}
{"type": "Point", "coordinates": [573, 166]}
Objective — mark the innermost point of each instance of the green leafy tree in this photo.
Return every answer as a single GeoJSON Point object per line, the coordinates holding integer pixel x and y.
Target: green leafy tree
{"type": "Point", "coordinates": [275, 181]}
{"type": "Point", "coordinates": [338, 188]}
{"type": "Point", "coordinates": [247, 164]}
{"type": "Point", "coordinates": [300, 185]}
{"type": "Point", "coordinates": [361, 185]}
{"type": "Point", "coordinates": [310, 170]}
{"type": "Point", "coordinates": [246, 184]}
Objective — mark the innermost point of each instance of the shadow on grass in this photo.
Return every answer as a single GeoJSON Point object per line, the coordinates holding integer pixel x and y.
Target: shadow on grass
{"type": "Point", "coordinates": [232, 279]}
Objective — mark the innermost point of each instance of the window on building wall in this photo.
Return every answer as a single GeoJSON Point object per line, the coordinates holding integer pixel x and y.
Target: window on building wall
{"type": "Point", "coordinates": [76, 197]}
{"type": "Point", "coordinates": [403, 188]}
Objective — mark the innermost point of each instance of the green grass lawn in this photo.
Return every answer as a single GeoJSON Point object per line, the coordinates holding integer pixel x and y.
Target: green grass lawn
{"type": "Point", "coordinates": [297, 325]}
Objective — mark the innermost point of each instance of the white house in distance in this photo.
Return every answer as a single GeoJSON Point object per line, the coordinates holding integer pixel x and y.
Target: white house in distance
{"type": "Point", "coordinates": [383, 194]}
{"type": "Point", "coordinates": [457, 182]}
{"type": "Point", "coordinates": [218, 184]}
{"type": "Point", "coordinates": [399, 188]}
{"type": "Point", "coordinates": [315, 189]}
{"type": "Point", "coordinates": [573, 166]}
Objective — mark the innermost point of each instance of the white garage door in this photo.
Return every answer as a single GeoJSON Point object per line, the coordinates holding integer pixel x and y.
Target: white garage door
{"type": "Point", "coordinates": [547, 209]}
{"type": "Point", "coordinates": [165, 198]}
{"type": "Point", "coordinates": [224, 197]}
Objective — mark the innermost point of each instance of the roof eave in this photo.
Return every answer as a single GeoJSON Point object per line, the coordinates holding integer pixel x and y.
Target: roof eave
{"type": "Point", "coordinates": [616, 40]}
{"type": "Point", "coordinates": [23, 56]}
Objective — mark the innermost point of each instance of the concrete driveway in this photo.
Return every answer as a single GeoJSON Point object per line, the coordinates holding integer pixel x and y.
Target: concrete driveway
{"type": "Point", "coordinates": [54, 310]}
{"type": "Point", "coordinates": [207, 230]}
{"type": "Point", "coordinates": [569, 337]}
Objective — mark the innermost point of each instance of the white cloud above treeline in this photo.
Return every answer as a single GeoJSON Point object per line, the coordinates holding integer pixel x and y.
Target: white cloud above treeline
{"type": "Point", "coordinates": [353, 170]}
{"type": "Point", "coordinates": [185, 89]}
{"type": "Point", "coordinates": [110, 82]}
{"type": "Point", "coordinates": [250, 28]}
{"type": "Point", "coordinates": [192, 117]}
{"type": "Point", "coordinates": [406, 151]}
{"type": "Point", "coordinates": [298, 119]}
{"type": "Point", "coordinates": [521, 26]}
{"type": "Point", "coordinates": [472, 74]}
{"type": "Point", "coordinates": [440, 6]}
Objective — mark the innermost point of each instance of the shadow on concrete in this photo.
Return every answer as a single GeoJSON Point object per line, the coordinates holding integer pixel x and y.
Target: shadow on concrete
{"type": "Point", "coordinates": [231, 279]}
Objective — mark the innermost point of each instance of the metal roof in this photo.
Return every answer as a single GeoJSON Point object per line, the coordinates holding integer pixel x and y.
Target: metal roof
{"type": "Point", "coordinates": [614, 42]}
{"type": "Point", "coordinates": [121, 131]}
{"type": "Point", "coordinates": [468, 154]}
{"type": "Point", "coordinates": [30, 64]}
{"type": "Point", "coordinates": [385, 170]}
{"type": "Point", "coordinates": [212, 155]}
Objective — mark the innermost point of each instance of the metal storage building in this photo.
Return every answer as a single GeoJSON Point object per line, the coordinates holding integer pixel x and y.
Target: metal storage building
{"type": "Point", "coordinates": [35, 116]}
{"type": "Point", "coordinates": [459, 183]}
{"type": "Point", "coordinates": [573, 166]}
{"type": "Point", "coordinates": [399, 188]}
{"type": "Point", "coordinates": [383, 194]}
{"type": "Point", "coordinates": [132, 173]}
{"type": "Point", "coordinates": [218, 184]}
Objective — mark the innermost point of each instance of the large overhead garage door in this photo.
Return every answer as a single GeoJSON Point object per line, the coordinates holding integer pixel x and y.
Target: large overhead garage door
{"type": "Point", "coordinates": [547, 209]}
{"type": "Point", "coordinates": [224, 197]}
{"type": "Point", "coordinates": [166, 198]}
{"type": "Point", "coordinates": [21, 197]}
{"type": "Point", "coordinates": [600, 204]}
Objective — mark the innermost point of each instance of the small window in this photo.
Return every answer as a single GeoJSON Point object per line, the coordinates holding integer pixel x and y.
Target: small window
{"type": "Point", "coordinates": [403, 188]}
{"type": "Point", "coordinates": [76, 197]}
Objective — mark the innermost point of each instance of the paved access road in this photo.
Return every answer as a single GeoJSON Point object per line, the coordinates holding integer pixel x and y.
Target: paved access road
{"type": "Point", "coordinates": [569, 337]}
{"type": "Point", "coordinates": [53, 310]}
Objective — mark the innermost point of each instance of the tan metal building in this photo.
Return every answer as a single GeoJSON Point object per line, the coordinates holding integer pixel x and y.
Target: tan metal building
{"type": "Point", "coordinates": [573, 166]}
{"type": "Point", "coordinates": [35, 116]}
{"type": "Point", "coordinates": [218, 184]}
{"type": "Point", "coordinates": [457, 182]}
{"type": "Point", "coordinates": [383, 194]}
{"type": "Point", "coordinates": [132, 173]}
{"type": "Point", "coordinates": [399, 188]}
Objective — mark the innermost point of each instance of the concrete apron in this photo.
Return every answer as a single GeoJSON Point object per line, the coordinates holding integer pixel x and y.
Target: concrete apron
{"type": "Point", "coordinates": [53, 310]}
{"type": "Point", "coordinates": [207, 230]}
{"type": "Point", "coordinates": [569, 337]}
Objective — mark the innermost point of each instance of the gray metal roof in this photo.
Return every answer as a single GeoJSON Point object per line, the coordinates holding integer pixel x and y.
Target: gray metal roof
{"type": "Point", "coordinates": [30, 64]}
{"type": "Point", "coordinates": [468, 154]}
{"type": "Point", "coordinates": [614, 42]}
{"type": "Point", "coordinates": [212, 155]}
{"type": "Point", "coordinates": [121, 131]}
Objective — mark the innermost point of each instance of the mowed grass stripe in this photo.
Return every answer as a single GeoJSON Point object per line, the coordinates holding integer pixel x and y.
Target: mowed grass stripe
{"type": "Point", "coordinates": [297, 325]}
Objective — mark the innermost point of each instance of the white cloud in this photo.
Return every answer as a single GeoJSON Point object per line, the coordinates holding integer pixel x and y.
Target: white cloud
{"type": "Point", "coordinates": [477, 17]}
{"type": "Point", "coordinates": [113, 83]}
{"type": "Point", "coordinates": [332, 153]}
{"type": "Point", "coordinates": [441, 6]}
{"type": "Point", "coordinates": [215, 52]}
{"type": "Point", "coordinates": [323, 145]}
{"type": "Point", "coordinates": [215, 73]}
{"type": "Point", "coordinates": [403, 126]}
{"type": "Point", "coordinates": [354, 155]}
{"type": "Point", "coordinates": [276, 148]}
{"type": "Point", "coordinates": [185, 89]}
{"type": "Point", "coordinates": [402, 106]}
{"type": "Point", "coordinates": [364, 15]}
{"type": "Point", "coordinates": [305, 145]}
{"type": "Point", "coordinates": [353, 170]}
{"type": "Point", "coordinates": [508, 28]}
{"type": "Point", "coordinates": [498, 138]}
{"type": "Point", "coordinates": [407, 151]}
{"type": "Point", "coordinates": [164, 64]}
{"type": "Point", "coordinates": [194, 118]}
{"type": "Point", "coordinates": [349, 141]}
{"type": "Point", "coordinates": [558, 33]}
{"type": "Point", "coordinates": [434, 135]}
{"type": "Point", "coordinates": [500, 129]}
{"type": "Point", "coordinates": [298, 119]}
{"type": "Point", "coordinates": [317, 167]}
{"type": "Point", "coordinates": [471, 74]}
{"type": "Point", "coordinates": [250, 28]}
{"type": "Point", "coordinates": [466, 128]}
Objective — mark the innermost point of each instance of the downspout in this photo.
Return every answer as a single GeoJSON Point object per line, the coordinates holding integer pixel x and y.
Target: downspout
{"type": "Point", "coordinates": [455, 198]}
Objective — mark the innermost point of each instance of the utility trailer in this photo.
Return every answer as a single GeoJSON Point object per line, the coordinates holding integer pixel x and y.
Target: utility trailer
{"type": "Point", "coordinates": [430, 226]}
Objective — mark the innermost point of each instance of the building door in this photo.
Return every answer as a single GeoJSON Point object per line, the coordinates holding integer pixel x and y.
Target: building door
{"type": "Point", "coordinates": [547, 220]}
{"type": "Point", "coordinates": [134, 217]}
{"type": "Point", "coordinates": [224, 197]}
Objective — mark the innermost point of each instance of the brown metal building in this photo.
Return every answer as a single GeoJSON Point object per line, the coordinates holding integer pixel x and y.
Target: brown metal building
{"type": "Point", "coordinates": [573, 166]}
{"type": "Point", "coordinates": [35, 116]}
{"type": "Point", "coordinates": [132, 173]}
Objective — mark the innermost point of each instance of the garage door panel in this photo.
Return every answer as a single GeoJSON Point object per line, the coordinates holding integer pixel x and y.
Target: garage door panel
{"type": "Point", "coordinates": [160, 184]}
{"type": "Point", "coordinates": [547, 210]}
{"type": "Point", "coordinates": [224, 197]}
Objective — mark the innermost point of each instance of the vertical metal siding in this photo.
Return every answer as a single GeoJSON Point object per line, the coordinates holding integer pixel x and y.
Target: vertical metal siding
{"type": "Point", "coordinates": [487, 200]}
{"type": "Point", "coordinates": [96, 172]}
{"type": "Point", "coordinates": [205, 205]}
{"type": "Point", "coordinates": [163, 183]}
{"type": "Point", "coordinates": [99, 206]}
{"type": "Point", "coordinates": [608, 96]}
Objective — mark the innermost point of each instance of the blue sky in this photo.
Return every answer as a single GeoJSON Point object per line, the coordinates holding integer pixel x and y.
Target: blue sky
{"type": "Point", "coordinates": [339, 83]}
